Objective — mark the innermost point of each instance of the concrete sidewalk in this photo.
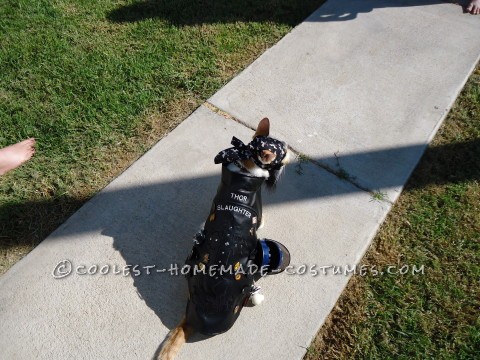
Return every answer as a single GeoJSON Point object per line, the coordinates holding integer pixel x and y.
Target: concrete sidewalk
{"type": "Point", "coordinates": [355, 87]}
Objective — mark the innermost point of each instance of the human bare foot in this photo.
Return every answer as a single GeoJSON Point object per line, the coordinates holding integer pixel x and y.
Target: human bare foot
{"type": "Point", "coordinates": [15, 155]}
{"type": "Point", "coordinates": [473, 7]}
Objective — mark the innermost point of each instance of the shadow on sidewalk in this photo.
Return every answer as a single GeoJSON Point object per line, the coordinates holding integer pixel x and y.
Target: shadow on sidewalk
{"type": "Point", "coordinates": [344, 11]}
{"type": "Point", "coordinates": [154, 224]}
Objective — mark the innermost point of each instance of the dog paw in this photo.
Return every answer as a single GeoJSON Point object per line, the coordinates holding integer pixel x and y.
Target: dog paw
{"type": "Point", "coordinates": [257, 299]}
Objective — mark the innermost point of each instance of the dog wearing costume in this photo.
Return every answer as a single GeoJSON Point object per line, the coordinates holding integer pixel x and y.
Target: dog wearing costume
{"type": "Point", "coordinates": [227, 257]}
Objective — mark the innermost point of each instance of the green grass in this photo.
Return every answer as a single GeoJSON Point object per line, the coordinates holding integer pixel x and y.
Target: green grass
{"type": "Point", "coordinates": [98, 82]}
{"type": "Point", "coordinates": [435, 223]}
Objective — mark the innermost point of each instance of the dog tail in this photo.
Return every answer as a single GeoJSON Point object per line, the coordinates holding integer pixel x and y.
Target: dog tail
{"type": "Point", "coordinates": [174, 341]}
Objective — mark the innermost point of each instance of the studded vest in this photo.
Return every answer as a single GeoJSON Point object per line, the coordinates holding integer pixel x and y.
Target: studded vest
{"type": "Point", "coordinates": [220, 279]}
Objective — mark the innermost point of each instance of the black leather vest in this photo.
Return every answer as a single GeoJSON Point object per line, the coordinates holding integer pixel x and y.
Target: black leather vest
{"type": "Point", "coordinates": [221, 283]}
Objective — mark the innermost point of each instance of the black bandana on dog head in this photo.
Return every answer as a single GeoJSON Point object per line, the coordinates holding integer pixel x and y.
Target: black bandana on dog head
{"type": "Point", "coordinates": [240, 151]}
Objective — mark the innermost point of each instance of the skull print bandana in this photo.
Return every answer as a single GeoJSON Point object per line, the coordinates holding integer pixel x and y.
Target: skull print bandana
{"type": "Point", "coordinates": [252, 150]}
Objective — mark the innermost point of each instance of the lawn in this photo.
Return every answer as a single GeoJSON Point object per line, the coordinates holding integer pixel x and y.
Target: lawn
{"type": "Point", "coordinates": [97, 83]}
{"type": "Point", "coordinates": [435, 223]}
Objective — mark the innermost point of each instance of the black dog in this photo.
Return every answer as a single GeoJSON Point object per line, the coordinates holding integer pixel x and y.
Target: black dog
{"type": "Point", "coordinates": [227, 257]}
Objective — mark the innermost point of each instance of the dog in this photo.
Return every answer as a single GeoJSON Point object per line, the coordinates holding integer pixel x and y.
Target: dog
{"type": "Point", "coordinates": [228, 242]}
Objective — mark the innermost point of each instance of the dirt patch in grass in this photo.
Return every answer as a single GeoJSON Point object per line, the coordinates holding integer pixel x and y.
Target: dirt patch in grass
{"type": "Point", "coordinates": [435, 223]}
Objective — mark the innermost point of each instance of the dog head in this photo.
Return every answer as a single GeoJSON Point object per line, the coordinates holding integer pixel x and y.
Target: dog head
{"type": "Point", "coordinates": [263, 151]}
{"type": "Point", "coordinates": [269, 153]}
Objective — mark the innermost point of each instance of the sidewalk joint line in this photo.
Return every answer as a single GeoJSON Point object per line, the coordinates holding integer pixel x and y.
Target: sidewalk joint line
{"type": "Point", "coordinates": [225, 114]}
{"type": "Point", "coordinates": [299, 155]}
{"type": "Point", "coordinates": [339, 174]}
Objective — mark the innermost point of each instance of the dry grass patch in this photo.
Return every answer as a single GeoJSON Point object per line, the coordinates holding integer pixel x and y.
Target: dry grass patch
{"type": "Point", "coordinates": [435, 223]}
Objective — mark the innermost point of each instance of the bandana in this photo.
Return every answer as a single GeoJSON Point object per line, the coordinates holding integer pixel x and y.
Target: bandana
{"type": "Point", "coordinates": [240, 151]}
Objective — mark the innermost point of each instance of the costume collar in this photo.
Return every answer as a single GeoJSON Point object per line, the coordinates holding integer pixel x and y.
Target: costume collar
{"type": "Point", "coordinates": [240, 180]}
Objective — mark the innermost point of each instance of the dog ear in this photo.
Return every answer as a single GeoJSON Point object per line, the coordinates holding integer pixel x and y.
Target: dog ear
{"type": "Point", "coordinates": [263, 128]}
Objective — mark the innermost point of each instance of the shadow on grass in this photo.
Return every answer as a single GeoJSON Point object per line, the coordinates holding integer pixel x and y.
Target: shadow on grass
{"type": "Point", "coordinates": [194, 12]}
